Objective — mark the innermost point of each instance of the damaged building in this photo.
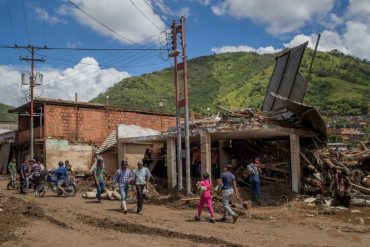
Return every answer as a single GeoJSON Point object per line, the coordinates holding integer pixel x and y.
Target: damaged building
{"type": "Point", "coordinates": [74, 130]}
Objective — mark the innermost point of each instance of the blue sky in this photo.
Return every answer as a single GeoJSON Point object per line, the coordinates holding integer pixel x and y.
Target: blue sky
{"type": "Point", "coordinates": [213, 26]}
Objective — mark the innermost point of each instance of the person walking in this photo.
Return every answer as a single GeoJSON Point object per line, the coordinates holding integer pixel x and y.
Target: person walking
{"type": "Point", "coordinates": [12, 168]}
{"type": "Point", "coordinates": [24, 177]}
{"type": "Point", "coordinates": [228, 186]}
{"type": "Point", "coordinates": [141, 176]}
{"type": "Point", "coordinates": [36, 173]}
{"type": "Point", "coordinates": [98, 174]}
{"type": "Point", "coordinates": [123, 177]}
{"type": "Point", "coordinates": [254, 179]}
{"type": "Point", "coordinates": [206, 197]}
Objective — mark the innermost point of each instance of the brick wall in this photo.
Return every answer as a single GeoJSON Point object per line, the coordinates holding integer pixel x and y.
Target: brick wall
{"type": "Point", "coordinates": [94, 125]}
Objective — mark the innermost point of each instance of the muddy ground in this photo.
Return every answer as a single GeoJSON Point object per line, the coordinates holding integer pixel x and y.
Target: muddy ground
{"type": "Point", "coordinates": [30, 221]}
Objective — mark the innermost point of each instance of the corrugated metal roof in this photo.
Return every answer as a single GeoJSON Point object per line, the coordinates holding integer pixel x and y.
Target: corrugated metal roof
{"type": "Point", "coordinates": [109, 142]}
{"type": "Point", "coordinates": [286, 80]}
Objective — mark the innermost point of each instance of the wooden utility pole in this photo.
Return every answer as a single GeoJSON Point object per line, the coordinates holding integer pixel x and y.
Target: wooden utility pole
{"type": "Point", "coordinates": [32, 60]}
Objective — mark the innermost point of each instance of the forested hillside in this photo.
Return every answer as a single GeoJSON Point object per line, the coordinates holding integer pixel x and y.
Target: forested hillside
{"type": "Point", "coordinates": [339, 84]}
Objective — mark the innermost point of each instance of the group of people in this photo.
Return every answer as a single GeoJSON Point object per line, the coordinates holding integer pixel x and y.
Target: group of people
{"type": "Point", "coordinates": [229, 188]}
{"type": "Point", "coordinates": [123, 178]}
{"type": "Point", "coordinates": [33, 170]}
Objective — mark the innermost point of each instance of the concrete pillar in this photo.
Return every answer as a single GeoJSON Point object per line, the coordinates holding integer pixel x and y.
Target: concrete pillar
{"type": "Point", "coordinates": [223, 155]}
{"type": "Point", "coordinates": [295, 162]}
{"type": "Point", "coordinates": [171, 164]}
{"type": "Point", "coordinates": [205, 152]}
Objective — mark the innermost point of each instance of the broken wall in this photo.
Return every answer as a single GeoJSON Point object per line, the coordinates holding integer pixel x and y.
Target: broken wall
{"type": "Point", "coordinates": [79, 155]}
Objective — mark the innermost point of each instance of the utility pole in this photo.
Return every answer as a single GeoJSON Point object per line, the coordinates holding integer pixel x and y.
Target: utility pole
{"type": "Point", "coordinates": [175, 54]}
{"type": "Point", "coordinates": [183, 102]}
{"type": "Point", "coordinates": [32, 60]}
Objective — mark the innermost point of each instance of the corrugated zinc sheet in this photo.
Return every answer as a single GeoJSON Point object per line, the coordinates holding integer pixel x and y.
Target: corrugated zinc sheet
{"type": "Point", "coordinates": [286, 80]}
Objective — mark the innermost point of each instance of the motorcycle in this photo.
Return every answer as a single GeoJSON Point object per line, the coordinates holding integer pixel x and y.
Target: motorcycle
{"type": "Point", "coordinates": [51, 182]}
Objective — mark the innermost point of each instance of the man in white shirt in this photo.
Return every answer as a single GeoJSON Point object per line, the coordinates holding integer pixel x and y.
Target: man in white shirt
{"type": "Point", "coordinates": [140, 176]}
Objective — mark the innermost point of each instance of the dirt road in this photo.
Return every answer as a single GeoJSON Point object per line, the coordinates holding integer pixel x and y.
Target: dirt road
{"type": "Point", "coordinates": [79, 222]}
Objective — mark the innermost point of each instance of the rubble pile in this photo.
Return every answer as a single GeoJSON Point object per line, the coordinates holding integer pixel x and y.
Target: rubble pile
{"type": "Point", "coordinates": [339, 175]}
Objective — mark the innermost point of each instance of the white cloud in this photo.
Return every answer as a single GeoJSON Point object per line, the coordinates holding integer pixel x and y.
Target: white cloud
{"type": "Point", "coordinates": [280, 17]}
{"type": "Point", "coordinates": [86, 78]}
{"type": "Point", "coordinates": [244, 48]}
{"type": "Point", "coordinates": [51, 19]}
{"type": "Point", "coordinates": [121, 16]}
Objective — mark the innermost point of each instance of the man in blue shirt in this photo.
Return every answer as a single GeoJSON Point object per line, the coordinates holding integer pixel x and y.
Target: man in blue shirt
{"type": "Point", "coordinates": [123, 177]}
{"type": "Point", "coordinates": [141, 176]}
{"type": "Point", "coordinates": [228, 184]}
{"type": "Point", "coordinates": [62, 175]}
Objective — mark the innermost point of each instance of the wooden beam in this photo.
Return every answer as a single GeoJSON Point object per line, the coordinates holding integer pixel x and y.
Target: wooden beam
{"type": "Point", "coordinates": [295, 162]}
{"type": "Point", "coordinates": [205, 152]}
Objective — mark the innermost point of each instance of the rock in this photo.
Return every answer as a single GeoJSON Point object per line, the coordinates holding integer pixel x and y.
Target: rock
{"type": "Point", "coordinates": [355, 211]}
{"type": "Point", "coordinates": [310, 200]}
{"type": "Point", "coordinates": [361, 221]}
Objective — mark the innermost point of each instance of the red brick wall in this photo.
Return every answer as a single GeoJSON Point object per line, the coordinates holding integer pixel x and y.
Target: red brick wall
{"type": "Point", "coordinates": [94, 125]}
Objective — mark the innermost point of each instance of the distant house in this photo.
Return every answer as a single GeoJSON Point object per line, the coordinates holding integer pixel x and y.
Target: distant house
{"type": "Point", "coordinates": [72, 130]}
{"type": "Point", "coordinates": [351, 134]}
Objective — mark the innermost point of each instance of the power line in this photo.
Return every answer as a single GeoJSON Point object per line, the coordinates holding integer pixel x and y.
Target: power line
{"type": "Point", "coordinates": [11, 22]}
{"type": "Point", "coordinates": [25, 22]}
{"type": "Point", "coordinates": [150, 20]}
{"type": "Point", "coordinates": [102, 24]}
{"type": "Point", "coordinates": [82, 49]}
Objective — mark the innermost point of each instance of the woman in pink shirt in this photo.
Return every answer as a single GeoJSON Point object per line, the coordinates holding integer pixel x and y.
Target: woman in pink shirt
{"type": "Point", "coordinates": [206, 197]}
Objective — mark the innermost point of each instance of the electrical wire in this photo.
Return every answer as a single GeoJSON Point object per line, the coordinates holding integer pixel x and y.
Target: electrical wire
{"type": "Point", "coordinates": [11, 21]}
{"type": "Point", "coordinates": [25, 22]}
{"type": "Point", "coordinates": [103, 25]}
{"type": "Point", "coordinates": [43, 21]}
{"type": "Point", "coordinates": [150, 20]}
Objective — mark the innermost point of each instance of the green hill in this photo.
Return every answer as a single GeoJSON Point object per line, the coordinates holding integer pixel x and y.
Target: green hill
{"type": "Point", "coordinates": [339, 84]}
{"type": "Point", "coordinates": [5, 116]}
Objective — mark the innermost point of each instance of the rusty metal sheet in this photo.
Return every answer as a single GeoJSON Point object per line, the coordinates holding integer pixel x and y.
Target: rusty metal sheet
{"type": "Point", "coordinates": [286, 80]}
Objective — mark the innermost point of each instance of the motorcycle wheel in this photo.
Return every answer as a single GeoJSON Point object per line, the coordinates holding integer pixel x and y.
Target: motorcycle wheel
{"type": "Point", "coordinates": [41, 190]}
{"type": "Point", "coordinates": [71, 190]}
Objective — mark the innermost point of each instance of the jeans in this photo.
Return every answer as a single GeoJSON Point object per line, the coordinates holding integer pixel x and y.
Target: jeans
{"type": "Point", "coordinates": [123, 191]}
{"type": "Point", "coordinates": [140, 196]}
{"type": "Point", "coordinates": [100, 188]}
{"type": "Point", "coordinates": [254, 180]}
{"type": "Point", "coordinates": [226, 196]}
{"type": "Point", "coordinates": [13, 177]}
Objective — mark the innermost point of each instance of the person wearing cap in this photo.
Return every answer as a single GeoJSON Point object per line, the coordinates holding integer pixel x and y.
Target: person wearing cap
{"type": "Point", "coordinates": [140, 175]}
{"type": "Point", "coordinates": [254, 178]}
{"type": "Point", "coordinates": [98, 174]}
{"type": "Point", "coordinates": [228, 186]}
{"type": "Point", "coordinates": [123, 177]}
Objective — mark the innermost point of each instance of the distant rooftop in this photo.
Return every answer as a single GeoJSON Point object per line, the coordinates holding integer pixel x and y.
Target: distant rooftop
{"type": "Point", "coordinates": [38, 102]}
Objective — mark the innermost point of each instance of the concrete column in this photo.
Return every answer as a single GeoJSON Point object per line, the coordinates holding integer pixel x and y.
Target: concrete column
{"type": "Point", "coordinates": [223, 156]}
{"type": "Point", "coordinates": [205, 152]}
{"type": "Point", "coordinates": [295, 162]}
{"type": "Point", "coordinates": [171, 164]}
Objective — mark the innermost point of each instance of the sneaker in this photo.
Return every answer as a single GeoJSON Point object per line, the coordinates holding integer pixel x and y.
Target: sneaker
{"type": "Point", "coordinates": [235, 218]}
{"type": "Point", "coordinates": [213, 220]}
{"type": "Point", "coordinates": [197, 218]}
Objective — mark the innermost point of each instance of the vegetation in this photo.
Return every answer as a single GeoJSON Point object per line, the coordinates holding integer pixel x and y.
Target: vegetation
{"type": "Point", "coordinates": [5, 116]}
{"type": "Point", "coordinates": [339, 84]}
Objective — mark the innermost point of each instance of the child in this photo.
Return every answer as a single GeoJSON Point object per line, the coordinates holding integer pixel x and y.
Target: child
{"type": "Point", "coordinates": [205, 188]}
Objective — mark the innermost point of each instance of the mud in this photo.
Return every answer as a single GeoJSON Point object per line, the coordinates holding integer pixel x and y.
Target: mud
{"type": "Point", "coordinates": [15, 213]}
{"type": "Point", "coordinates": [126, 227]}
